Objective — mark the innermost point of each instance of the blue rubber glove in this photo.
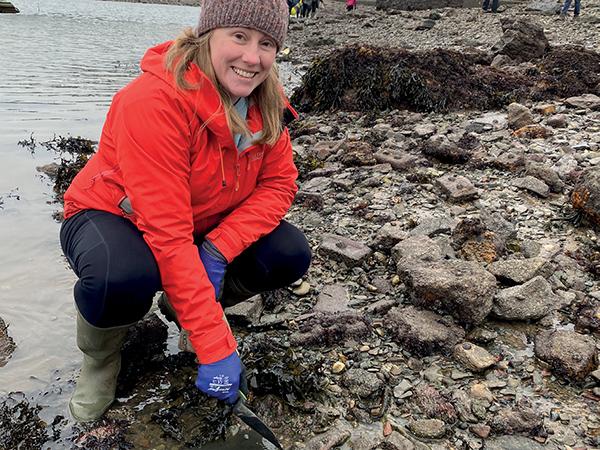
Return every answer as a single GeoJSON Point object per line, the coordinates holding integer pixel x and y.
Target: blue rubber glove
{"type": "Point", "coordinates": [221, 379]}
{"type": "Point", "coordinates": [215, 265]}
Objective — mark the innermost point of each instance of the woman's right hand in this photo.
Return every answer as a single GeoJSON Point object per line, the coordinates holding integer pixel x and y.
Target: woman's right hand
{"type": "Point", "coordinates": [221, 379]}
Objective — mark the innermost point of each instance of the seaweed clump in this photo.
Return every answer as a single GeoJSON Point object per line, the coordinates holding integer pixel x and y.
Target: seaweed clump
{"type": "Point", "coordinates": [192, 417]}
{"type": "Point", "coordinates": [143, 352]}
{"type": "Point", "coordinates": [73, 153]}
{"type": "Point", "coordinates": [20, 425]}
{"type": "Point", "coordinates": [566, 72]}
{"type": "Point", "coordinates": [273, 368]}
{"type": "Point", "coordinates": [106, 434]}
{"type": "Point", "coordinates": [363, 78]}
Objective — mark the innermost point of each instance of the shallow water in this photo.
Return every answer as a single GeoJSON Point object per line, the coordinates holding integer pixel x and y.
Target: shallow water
{"type": "Point", "coordinates": [61, 63]}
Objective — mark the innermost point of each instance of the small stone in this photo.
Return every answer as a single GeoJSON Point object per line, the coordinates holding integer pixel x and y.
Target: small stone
{"type": "Point", "coordinates": [334, 389]}
{"type": "Point", "coordinates": [302, 290]}
{"type": "Point", "coordinates": [403, 387]}
{"type": "Point", "coordinates": [395, 370]}
{"type": "Point", "coordinates": [338, 367]}
{"type": "Point", "coordinates": [481, 430]}
{"type": "Point", "coordinates": [459, 375]}
{"type": "Point", "coordinates": [481, 391]}
{"type": "Point", "coordinates": [545, 109]}
{"type": "Point", "coordinates": [473, 357]}
{"type": "Point", "coordinates": [428, 428]}
{"type": "Point", "coordinates": [387, 428]}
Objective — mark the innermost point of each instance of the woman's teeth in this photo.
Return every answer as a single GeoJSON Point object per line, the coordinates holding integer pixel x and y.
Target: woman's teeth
{"type": "Point", "coordinates": [243, 73]}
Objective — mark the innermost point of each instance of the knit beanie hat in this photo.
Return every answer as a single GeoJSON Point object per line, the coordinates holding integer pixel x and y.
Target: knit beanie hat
{"type": "Point", "coordinates": [268, 16]}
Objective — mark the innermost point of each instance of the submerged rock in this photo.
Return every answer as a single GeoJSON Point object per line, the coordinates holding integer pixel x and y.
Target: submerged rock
{"type": "Point", "coordinates": [7, 345]}
{"type": "Point", "coordinates": [517, 419]}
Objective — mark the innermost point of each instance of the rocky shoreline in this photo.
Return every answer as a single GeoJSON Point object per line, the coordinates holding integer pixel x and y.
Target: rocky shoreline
{"type": "Point", "coordinates": [453, 301]}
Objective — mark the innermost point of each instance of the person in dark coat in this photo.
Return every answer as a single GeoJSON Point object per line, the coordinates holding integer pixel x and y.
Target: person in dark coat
{"type": "Point", "coordinates": [486, 6]}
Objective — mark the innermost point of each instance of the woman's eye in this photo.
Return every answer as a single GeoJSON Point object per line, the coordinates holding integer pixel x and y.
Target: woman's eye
{"type": "Point", "coordinates": [268, 44]}
{"type": "Point", "coordinates": [239, 36]}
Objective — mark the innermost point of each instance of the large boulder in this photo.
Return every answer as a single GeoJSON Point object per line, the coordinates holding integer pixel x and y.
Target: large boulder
{"type": "Point", "coordinates": [422, 332]}
{"type": "Point", "coordinates": [529, 301]}
{"type": "Point", "coordinates": [588, 101]}
{"type": "Point", "coordinates": [448, 286]}
{"type": "Point", "coordinates": [570, 354]}
{"type": "Point", "coordinates": [522, 40]}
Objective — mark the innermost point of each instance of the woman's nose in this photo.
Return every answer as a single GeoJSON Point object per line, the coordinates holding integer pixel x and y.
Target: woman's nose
{"type": "Point", "coordinates": [251, 55]}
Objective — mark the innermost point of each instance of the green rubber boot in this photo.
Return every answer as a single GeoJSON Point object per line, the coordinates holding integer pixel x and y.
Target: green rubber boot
{"type": "Point", "coordinates": [97, 380]}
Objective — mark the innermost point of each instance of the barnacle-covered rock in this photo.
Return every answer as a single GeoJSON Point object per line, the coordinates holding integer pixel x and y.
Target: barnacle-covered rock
{"type": "Point", "coordinates": [585, 198]}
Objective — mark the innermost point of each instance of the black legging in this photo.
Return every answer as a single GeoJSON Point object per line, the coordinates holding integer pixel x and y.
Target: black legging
{"type": "Point", "coordinates": [118, 275]}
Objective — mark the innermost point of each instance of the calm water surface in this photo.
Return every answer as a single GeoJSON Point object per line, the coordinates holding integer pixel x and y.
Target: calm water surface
{"type": "Point", "coordinates": [61, 63]}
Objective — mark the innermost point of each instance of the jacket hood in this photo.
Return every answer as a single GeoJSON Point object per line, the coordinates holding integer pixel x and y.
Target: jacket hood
{"type": "Point", "coordinates": [206, 100]}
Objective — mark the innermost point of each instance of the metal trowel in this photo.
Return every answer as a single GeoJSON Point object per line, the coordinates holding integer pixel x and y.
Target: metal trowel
{"type": "Point", "coordinates": [253, 421]}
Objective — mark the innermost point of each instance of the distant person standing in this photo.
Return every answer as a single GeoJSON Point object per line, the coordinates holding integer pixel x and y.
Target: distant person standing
{"type": "Point", "coordinates": [350, 5]}
{"type": "Point", "coordinates": [315, 6]}
{"type": "Point", "coordinates": [567, 5]}
{"type": "Point", "coordinates": [495, 4]}
{"type": "Point", "coordinates": [307, 6]}
{"type": "Point", "coordinates": [292, 4]}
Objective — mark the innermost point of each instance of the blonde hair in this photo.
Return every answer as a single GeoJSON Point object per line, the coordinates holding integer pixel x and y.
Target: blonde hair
{"type": "Point", "coordinates": [189, 48]}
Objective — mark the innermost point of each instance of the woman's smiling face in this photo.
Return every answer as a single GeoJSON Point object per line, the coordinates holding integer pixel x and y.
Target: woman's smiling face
{"type": "Point", "coordinates": [241, 59]}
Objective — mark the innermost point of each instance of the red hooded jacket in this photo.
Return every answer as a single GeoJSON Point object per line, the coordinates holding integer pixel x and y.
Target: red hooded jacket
{"type": "Point", "coordinates": [171, 153]}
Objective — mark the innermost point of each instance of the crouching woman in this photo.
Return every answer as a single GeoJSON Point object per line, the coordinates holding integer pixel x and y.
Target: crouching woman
{"type": "Point", "coordinates": [186, 194]}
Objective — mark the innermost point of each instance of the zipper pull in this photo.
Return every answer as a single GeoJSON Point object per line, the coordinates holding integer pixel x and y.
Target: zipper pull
{"type": "Point", "coordinates": [237, 176]}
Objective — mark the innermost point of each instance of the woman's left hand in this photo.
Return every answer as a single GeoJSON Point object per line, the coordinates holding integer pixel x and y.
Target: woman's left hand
{"type": "Point", "coordinates": [215, 265]}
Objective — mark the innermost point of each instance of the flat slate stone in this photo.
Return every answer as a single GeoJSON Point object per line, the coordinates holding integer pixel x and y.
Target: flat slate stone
{"type": "Point", "coordinates": [246, 312]}
{"type": "Point", "coordinates": [590, 101]}
{"type": "Point", "coordinates": [345, 250]}
{"type": "Point", "coordinates": [398, 159]}
{"type": "Point", "coordinates": [457, 188]}
{"type": "Point", "coordinates": [333, 298]}
{"type": "Point", "coordinates": [519, 271]}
